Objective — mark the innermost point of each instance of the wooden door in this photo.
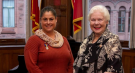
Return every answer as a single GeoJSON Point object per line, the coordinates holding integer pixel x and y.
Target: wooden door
{"type": "Point", "coordinates": [64, 15]}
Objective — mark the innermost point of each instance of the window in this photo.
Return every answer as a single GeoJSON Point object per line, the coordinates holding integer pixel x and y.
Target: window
{"type": "Point", "coordinates": [129, 19]}
{"type": "Point", "coordinates": [13, 19]}
{"type": "Point", "coordinates": [8, 13]}
{"type": "Point", "coordinates": [121, 19]}
{"type": "Point", "coordinates": [109, 10]}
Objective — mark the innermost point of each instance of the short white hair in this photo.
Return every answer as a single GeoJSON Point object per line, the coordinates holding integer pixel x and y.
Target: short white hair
{"type": "Point", "coordinates": [101, 9]}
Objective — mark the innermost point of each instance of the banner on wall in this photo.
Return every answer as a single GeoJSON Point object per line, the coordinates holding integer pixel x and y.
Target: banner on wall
{"type": "Point", "coordinates": [35, 8]}
{"type": "Point", "coordinates": [77, 15]}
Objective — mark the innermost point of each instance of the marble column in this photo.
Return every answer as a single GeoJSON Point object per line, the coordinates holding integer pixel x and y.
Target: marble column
{"type": "Point", "coordinates": [114, 22]}
{"type": "Point", "coordinates": [0, 16]}
{"type": "Point", "coordinates": [126, 26]}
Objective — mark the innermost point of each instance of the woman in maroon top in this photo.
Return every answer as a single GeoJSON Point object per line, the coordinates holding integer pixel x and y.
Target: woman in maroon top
{"type": "Point", "coordinates": [48, 51]}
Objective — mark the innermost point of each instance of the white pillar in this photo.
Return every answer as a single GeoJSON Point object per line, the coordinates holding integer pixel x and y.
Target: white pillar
{"type": "Point", "coordinates": [0, 16]}
{"type": "Point", "coordinates": [87, 28]}
{"type": "Point", "coordinates": [126, 25]}
{"type": "Point", "coordinates": [114, 22]}
{"type": "Point", "coordinates": [28, 21]}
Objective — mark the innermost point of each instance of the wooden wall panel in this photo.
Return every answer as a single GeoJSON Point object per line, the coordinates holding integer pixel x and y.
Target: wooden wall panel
{"type": "Point", "coordinates": [126, 64]}
{"type": "Point", "coordinates": [64, 2]}
{"type": "Point", "coordinates": [128, 60]}
{"type": "Point", "coordinates": [15, 58]}
{"type": "Point", "coordinates": [5, 65]}
{"type": "Point", "coordinates": [63, 26]}
{"type": "Point", "coordinates": [1, 62]}
{"type": "Point", "coordinates": [9, 57]}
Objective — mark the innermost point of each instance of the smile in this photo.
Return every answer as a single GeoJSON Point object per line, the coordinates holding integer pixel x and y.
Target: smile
{"type": "Point", "coordinates": [48, 25]}
{"type": "Point", "coordinates": [97, 28]}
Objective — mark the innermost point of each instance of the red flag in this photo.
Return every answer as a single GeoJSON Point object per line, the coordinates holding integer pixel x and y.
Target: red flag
{"type": "Point", "coordinates": [34, 15]}
{"type": "Point", "coordinates": [77, 15]}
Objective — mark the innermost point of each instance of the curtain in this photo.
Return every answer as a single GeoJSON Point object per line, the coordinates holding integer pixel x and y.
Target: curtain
{"type": "Point", "coordinates": [132, 26]}
{"type": "Point", "coordinates": [12, 18]}
{"type": "Point", "coordinates": [8, 13]}
{"type": "Point", "coordinates": [5, 17]}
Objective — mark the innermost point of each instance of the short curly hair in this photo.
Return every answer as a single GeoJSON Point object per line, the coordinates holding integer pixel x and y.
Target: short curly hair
{"type": "Point", "coordinates": [101, 9]}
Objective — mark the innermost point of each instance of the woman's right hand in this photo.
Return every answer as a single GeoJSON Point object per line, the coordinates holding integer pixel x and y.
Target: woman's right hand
{"type": "Point", "coordinates": [73, 70]}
